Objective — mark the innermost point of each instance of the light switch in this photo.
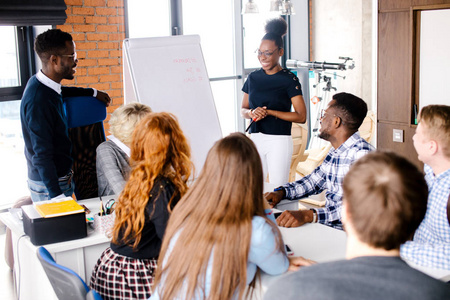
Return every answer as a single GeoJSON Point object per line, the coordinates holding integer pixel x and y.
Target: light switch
{"type": "Point", "coordinates": [397, 135]}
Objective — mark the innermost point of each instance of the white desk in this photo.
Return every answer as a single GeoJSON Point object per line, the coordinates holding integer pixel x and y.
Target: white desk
{"type": "Point", "coordinates": [313, 241]}
{"type": "Point", "coordinates": [322, 243]}
{"type": "Point", "coordinates": [79, 255]}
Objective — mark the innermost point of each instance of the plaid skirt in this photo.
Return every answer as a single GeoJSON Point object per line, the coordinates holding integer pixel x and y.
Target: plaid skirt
{"type": "Point", "coordinates": [121, 277]}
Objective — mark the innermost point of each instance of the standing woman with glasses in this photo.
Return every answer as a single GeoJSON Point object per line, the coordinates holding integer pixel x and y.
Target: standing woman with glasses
{"type": "Point", "coordinates": [268, 95]}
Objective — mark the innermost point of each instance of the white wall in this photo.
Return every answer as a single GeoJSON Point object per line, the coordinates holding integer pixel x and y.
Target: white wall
{"type": "Point", "coordinates": [434, 58]}
{"type": "Point", "coordinates": [344, 28]}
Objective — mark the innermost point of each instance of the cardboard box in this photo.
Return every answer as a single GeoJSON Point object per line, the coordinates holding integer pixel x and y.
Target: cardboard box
{"type": "Point", "coordinates": [53, 230]}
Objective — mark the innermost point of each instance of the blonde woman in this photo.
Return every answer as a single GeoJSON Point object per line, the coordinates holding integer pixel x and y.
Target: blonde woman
{"type": "Point", "coordinates": [161, 166]}
{"type": "Point", "coordinates": [219, 235]}
{"type": "Point", "coordinates": [113, 166]}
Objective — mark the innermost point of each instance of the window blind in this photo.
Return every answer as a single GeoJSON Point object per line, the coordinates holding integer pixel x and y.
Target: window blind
{"type": "Point", "coordinates": [32, 12]}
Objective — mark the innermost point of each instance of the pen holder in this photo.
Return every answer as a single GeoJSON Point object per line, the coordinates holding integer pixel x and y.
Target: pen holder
{"type": "Point", "coordinates": [104, 223]}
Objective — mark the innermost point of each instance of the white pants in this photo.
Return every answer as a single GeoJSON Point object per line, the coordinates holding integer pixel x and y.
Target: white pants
{"type": "Point", "coordinates": [276, 155]}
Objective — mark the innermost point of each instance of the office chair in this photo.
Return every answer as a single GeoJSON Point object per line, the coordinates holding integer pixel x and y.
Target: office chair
{"type": "Point", "coordinates": [85, 117]}
{"type": "Point", "coordinates": [368, 126]}
{"type": "Point", "coordinates": [67, 284]}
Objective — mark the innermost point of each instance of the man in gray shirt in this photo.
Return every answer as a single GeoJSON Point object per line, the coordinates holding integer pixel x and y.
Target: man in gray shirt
{"type": "Point", "coordinates": [385, 200]}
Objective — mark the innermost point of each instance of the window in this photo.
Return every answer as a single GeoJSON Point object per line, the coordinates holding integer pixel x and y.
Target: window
{"type": "Point", "coordinates": [16, 62]}
{"type": "Point", "coordinates": [218, 46]}
{"type": "Point", "coordinates": [219, 42]}
{"type": "Point", "coordinates": [148, 18]}
{"type": "Point", "coordinates": [228, 39]}
{"type": "Point", "coordinates": [253, 31]}
{"type": "Point", "coordinates": [9, 73]}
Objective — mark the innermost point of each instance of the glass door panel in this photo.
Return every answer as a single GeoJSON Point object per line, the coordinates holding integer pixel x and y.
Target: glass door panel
{"type": "Point", "coordinates": [216, 30]}
{"type": "Point", "coordinates": [13, 172]}
{"type": "Point", "coordinates": [9, 72]}
{"type": "Point", "coordinates": [148, 18]}
{"type": "Point", "coordinates": [215, 26]}
{"type": "Point", "coordinates": [224, 97]}
{"type": "Point", "coordinates": [253, 31]}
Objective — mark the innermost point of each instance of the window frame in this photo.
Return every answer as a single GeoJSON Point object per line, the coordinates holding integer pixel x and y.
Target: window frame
{"type": "Point", "coordinates": [240, 72]}
{"type": "Point", "coordinates": [26, 57]}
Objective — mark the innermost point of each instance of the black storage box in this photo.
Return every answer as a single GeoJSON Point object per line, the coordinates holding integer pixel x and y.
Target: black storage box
{"type": "Point", "coordinates": [52, 230]}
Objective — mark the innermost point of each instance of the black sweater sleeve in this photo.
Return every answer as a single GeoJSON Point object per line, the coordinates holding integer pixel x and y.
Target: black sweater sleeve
{"type": "Point", "coordinates": [70, 91]}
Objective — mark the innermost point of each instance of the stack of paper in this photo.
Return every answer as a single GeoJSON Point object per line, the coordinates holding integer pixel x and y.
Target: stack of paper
{"type": "Point", "coordinates": [56, 208]}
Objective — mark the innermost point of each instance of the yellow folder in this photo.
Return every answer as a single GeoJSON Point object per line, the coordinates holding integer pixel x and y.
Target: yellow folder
{"type": "Point", "coordinates": [49, 209]}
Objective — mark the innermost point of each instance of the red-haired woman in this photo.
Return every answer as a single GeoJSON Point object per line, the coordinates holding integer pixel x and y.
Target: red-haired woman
{"type": "Point", "coordinates": [161, 166]}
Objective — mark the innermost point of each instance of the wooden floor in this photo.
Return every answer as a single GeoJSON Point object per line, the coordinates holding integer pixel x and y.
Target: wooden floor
{"type": "Point", "coordinates": [6, 275]}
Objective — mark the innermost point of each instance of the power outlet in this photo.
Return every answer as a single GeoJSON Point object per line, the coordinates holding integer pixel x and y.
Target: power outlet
{"type": "Point", "coordinates": [397, 135]}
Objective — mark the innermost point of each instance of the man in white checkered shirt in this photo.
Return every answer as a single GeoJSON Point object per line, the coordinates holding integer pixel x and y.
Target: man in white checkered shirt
{"type": "Point", "coordinates": [339, 125]}
{"type": "Point", "coordinates": [431, 244]}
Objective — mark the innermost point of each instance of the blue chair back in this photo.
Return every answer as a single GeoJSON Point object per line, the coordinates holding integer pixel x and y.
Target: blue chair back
{"type": "Point", "coordinates": [85, 117]}
{"type": "Point", "coordinates": [67, 284]}
{"type": "Point", "coordinates": [83, 111]}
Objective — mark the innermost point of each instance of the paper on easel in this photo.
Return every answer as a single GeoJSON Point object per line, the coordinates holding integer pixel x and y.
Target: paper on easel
{"type": "Point", "coordinates": [59, 207]}
{"type": "Point", "coordinates": [318, 200]}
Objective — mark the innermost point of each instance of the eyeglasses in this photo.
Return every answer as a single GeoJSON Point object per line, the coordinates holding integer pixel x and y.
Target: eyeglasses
{"type": "Point", "coordinates": [73, 56]}
{"type": "Point", "coordinates": [323, 113]}
{"type": "Point", "coordinates": [267, 54]}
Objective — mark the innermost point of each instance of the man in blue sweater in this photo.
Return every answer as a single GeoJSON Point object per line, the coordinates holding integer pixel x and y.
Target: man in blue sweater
{"type": "Point", "coordinates": [44, 123]}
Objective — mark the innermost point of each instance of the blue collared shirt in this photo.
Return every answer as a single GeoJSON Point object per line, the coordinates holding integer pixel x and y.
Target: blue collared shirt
{"type": "Point", "coordinates": [329, 176]}
{"type": "Point", "coordinates": [431, 244]}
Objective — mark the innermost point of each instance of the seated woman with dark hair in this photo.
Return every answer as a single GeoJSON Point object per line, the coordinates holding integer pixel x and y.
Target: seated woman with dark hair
{"type": "Point", "coordinates": [113, 166]}
{"type": "Point", "coordinates": [161, 166]}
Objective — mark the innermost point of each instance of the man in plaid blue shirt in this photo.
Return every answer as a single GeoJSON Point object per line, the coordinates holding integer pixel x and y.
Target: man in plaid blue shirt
{"type": "Point", "coordinates": [431, 244]}
{"type": "Point", "coordinates": [339, 125]}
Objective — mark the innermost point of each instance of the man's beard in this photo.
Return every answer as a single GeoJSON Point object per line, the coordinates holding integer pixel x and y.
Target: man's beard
{"type": "Point", "coordinates": [324, 136]}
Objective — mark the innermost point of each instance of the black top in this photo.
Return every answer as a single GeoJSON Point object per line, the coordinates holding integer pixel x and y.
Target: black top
{"type": "Point", "coordinates": [155, 226]}
{"type": "Point", "coordinates": [275, 92]}
{"type": "Point", "coordinates": [45, 133]}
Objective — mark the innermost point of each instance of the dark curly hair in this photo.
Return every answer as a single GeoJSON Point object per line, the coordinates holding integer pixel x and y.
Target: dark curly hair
{"type": "Point", "coordinates": [52, 41]}
{"type": "Point", "coordinates": [275, 30]}
{"type": "Point", "coordinates": [352, 109]}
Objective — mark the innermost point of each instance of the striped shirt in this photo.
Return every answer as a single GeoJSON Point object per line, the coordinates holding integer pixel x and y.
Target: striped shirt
{"type": "Point", "coordinates": [113, 168]}
{"type": "Point", "coordinates": [329, 176]}
{"type": "Point", "coordinates": [431, 244]}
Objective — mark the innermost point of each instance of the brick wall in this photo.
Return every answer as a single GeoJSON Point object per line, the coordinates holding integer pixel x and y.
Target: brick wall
{"type": "Point", "coordinates": [98, 29]}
